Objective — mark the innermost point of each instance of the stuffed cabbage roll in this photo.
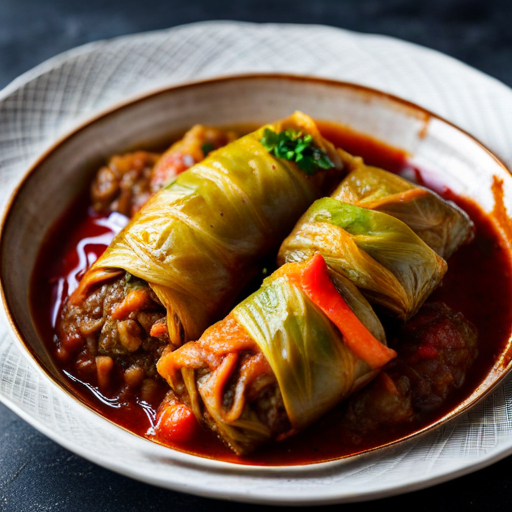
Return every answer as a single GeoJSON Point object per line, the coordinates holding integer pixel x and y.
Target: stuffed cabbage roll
{"type": "Point", "coordinates": [198, 241]}
{"type": "Point", "coordinates": [380, 254]}
{"type": "Point", "coordinates": [441, 224]}
{"type": "Point", "coordinates": [281, 359]}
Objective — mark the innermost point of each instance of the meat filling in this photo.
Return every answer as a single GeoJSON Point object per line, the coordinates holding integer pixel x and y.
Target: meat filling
{"type": "Point", "coordinates": [116, 335]}
{"type": "Point", "coordinates": [435, 350]}
{"type": "Point", "coordinates": [126, 183]}
{"type": "Point", "coordinates": [123, 185]}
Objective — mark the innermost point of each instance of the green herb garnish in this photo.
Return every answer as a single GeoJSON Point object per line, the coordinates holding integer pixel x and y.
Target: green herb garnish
{"type": "Point", "coordinates": [133, 283]}
{"type": "Point", "coordinates": [296, 147]}
{"type": "Point", "coordinates": [207, 147]}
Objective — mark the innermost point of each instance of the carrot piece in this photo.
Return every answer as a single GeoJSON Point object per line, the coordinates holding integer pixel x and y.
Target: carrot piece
{"type": "Point", "coordinates": [315, 281]}
{"type": "Point", "coordinates": [158, 329]}
{"type": "Point", "coordinates": [134, 301]}
{"type": "Point", "coordinates": [176, 423]}
{"type": "Point", "coordinates": [104, 366]}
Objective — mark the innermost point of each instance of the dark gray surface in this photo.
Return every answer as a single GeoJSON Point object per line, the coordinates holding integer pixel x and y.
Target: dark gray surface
{"type": "Point", "coordinates": [38, 475]}
{"type": "Point", "coordinates": [475, 31]}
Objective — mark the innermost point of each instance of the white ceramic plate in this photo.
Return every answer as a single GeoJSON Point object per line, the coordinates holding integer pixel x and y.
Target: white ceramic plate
{"type": "Point", "coordinates": [46, 102]}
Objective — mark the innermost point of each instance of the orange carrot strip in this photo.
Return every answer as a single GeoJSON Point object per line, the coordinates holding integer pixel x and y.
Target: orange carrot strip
{"type": "Point", "coordinates": [104, 365]}
{"type": "Point", "coordinates": [134, 301]}
{"type": "Point", "coordinates": [318, 286]}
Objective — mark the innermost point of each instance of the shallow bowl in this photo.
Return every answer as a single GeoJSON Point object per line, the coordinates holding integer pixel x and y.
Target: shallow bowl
{"type": "Point", "coordinates": [457, 160]}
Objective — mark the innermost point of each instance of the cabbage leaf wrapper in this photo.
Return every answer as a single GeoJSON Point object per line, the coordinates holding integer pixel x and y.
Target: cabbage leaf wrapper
{"type": "Point", "coordinates": [275, 364]}
{"type": "Point", "coordinates": [199, 241]}
{"type": "Point", "coordinates": [441, 224]}
{"type": "Point", "coordinates": [380, 254]}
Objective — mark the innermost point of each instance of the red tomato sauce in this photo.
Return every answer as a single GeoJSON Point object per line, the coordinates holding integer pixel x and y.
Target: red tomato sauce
{"type": "Point", "coordinates": [478, 284]}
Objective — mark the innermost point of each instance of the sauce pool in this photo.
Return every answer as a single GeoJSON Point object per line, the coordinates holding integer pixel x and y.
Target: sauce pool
{"type": "Point", "coordinates": [478, 284]}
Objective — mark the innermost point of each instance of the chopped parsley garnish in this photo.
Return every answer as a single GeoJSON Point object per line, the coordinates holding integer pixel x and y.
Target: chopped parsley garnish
{"type": "Point", "coordinates": [207, 147]}
{"type": "Point", "coordinates": [296, 147]}
{"type": "Point", "coordinates": [133, 283]}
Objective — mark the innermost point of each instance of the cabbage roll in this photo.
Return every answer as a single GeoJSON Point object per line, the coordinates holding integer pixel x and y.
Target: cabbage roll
{"type": "Point", "coordinates": [198, 241]}
{"type": "Point", "coordinates": [380, 254]}
{"type": "Point", "coordinates": [441, 224]}
{"type": "Point", "coordinates": [281, 359]}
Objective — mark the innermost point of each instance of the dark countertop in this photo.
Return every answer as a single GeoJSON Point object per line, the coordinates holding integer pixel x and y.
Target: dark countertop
{"type": "Point", "coordinates": [38, 475]}
{"type": "Point", "coordinates": [474, 31]}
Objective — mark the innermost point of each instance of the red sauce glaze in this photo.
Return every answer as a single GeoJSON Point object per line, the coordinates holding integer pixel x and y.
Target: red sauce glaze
{"type": "Point", "coordinates": [373, 151]}
{"type": "Point", "coordinates": [478, 284]}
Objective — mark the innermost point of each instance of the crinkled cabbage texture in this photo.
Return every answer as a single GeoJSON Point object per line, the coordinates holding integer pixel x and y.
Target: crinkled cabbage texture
{"type": "Point", "coordinates": [381, 255]}
{"type": "Point", "coordinates": [198, 241]}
